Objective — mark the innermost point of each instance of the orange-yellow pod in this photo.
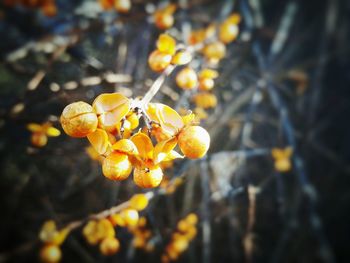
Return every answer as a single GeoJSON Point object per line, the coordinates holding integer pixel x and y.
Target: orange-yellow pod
{"type": "Point", "coordinates": [148, 177]}
{"type": "Point", "coordinates": [78, 119]}
{"type": "Point", "coordinates": [50, 253]}
{"type": "Point", "coordinates": [194, 142]}
{"type": "Point", "coordinates": [158, 60]}
{"type": "Point", "coordinates": [116, 166]}
{"type": "Point", "coordinates": [187, 78]}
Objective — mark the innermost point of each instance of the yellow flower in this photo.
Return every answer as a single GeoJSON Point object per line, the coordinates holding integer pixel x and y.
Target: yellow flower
{"type": "Point", "coordinates": [40, 132]}
{"type": "Point", "coordinates": [282, 159]}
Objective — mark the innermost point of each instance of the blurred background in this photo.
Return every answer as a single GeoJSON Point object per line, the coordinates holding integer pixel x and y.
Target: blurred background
{"type": "Point", "coordinates": [284, 82]}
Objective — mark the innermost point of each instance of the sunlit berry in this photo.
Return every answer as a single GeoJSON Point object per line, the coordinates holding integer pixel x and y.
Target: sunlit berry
{"type": "Point", "coordinates": [208, 73]}
{"type": "Point", "coordinates": [163, 18]}
{"type": "Point", "coordinates": [205, 100]}
{"type": "Point", "coordinates": [180, 244]}
{"type": "Point", "coordinates": [116, 166]}
{"type": "Point", "coordinates": [194, 142]}
{"type": "Point", "coordinates": [234, 18]}
{"type": "Point", "coordinates": [109, 246]}
{"type": "Point", "coordinates": [78, 119]}
{"type": "Point", "coordinates": [214, 51]}
{"type": "Point", "coordinates": [139, 202]}
{"type": "Point", "coordinates": [192, 219]}
{"type": "Point", "coordinates": [50, 253]}
{"type": "Point", "coordinates": [38, 139]}
{"type": "Point", "coordinates": [228, 32]}
{"type": "Point", "coordinates": [206, 84]}
{"type": "Point", "coordinates": [130, 217]}
{"type": "Point", "coordinates": [158, 60]}
{"type": "Point", "coordinates": [187, 78]}
{"type": "Point", "coordinates": [122, 6]}
{"type": "Point", "coordinates": [148, 177]}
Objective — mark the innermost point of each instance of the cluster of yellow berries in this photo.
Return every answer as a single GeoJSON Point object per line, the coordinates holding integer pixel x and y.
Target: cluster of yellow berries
{"type": "Point", "coordinates": [122, 6]}
{"type": "Point", "coordinates": [185, 233]}
{"type": "Point", "coordinates": [282, 159]}
{"type": "Point", "coordinates": [103, 232]}
{"type": "Point", "coordinates": [52, 239]}
{"type": "Point", "coordinates": [167, 53]}
{"type": "Point", "coordinates": [48, 7]}
{"type": "Point", "coordinates": [109, 123]}
{"type": "Point", "coordinates": [41, 132]}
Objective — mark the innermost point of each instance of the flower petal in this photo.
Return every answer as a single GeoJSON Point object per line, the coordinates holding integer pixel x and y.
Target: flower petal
{"type": "Point", "coordinates": [163, 148]}
{"type": "Point", "coordinates": [53, 132]}
{"type": "Point", "coordinates": [99, 140]}
{"type": "Point", "coordinates": [144, 145]}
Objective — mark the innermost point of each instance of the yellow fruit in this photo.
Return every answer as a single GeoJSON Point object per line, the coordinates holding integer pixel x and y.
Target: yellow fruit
{"type": "Point", "coordinates": [192, 219]}
{"type": "Point", "coordinates": [122, 6]}
{"type": "Point", "coordinates": [228, 32]}
{"type": "Point", "coordinates": [130, 217]}
{"type": "Point", "coordinates": [158, 60]}
{"type": "Point", "coordinates": [116, 166]}
{"type": "Point", "coordinates": [205, 100]}
{"type": "Point", "coordinates": [148, 177]}
{"type": "Point", "coordinates": [106, 4]}
{"type": "Point", "coordinates": [50, 254]}
{"type": "Point", "coordinates": [163, 20]}
{"type": "Point", "coordinates": [180, 244]}
{"type": "Point", "coordinates": [187, 78]}
{"type": "Point", "coordinates": [214, 51]}
{"type": "Point", "coordinates": [109, 246]}
{"type": "Point", "coordinates": [283, 165]}
{"type": "Point", "coordinates": [206, 84]}
{"type": "Point", "coordinates": [78, 119]}
{"type": "Point", "coordinates": [139, 202]}
{"type": "Point", "coordinates": [194, 142]}
{"type": "Point", "coordinates": [38, 139]}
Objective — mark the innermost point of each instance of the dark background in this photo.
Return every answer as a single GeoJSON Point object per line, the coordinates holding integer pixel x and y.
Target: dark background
{"type": "Point", "coordinates": [301, 216]}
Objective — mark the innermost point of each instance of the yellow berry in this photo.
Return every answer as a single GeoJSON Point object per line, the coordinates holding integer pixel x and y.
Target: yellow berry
{"type": "Point", "coordinates": [38, 139]}
{"type": "Point", "coordinates": [208, 73]}
{"type": "Point", "coordinates": [192, 219]}
{"type": "Point", "coordinates": [205, 100]}
{"type": "Point", "coordinates": [148, 177]}
{"type": "Point", "coordinates": [122, 6]}
{"type": "Point", "coordinates": [116, 166]}
{"type": "Point", "coordinates": [187, 78]}
{"type": "Point", "coordinates": [228, 32]}
{"type": "Point", "coordinates": [206, 84]}
{"type": "Point", "coordinates": [139, 202]}
{"type": "Point", "coordinates": [158, 60]}
{"type": "Point", "coordinates": [78, 119]}
{"type": "Point", "coordinates": [194, 142]}
{"type": "Point", "coordinates": [283, 165]}
{"type": "Point", "coordinates": [50, 253]}
{"type": "Point", "coordinates": [163, 20]}
{"type": "Point", "coordinates": [180, 244]}
{"type": "Point", "coordinates": [214, 51]}
{"type": "Point", "coordinates": [130, 217]}
{"type": "Point", "coordinates": [109, 246]}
